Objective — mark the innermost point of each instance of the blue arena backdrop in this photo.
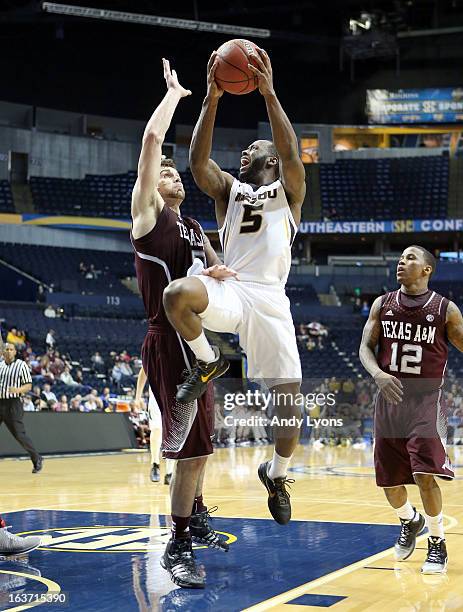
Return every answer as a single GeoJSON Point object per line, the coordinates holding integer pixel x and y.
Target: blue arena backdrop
{"type": "Point", "coordinates": [399, 226]}
{"type": "Point", "coordinates": [443, 105]}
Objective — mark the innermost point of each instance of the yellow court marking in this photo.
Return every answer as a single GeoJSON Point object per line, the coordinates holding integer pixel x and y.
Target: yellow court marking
{"type": "Point", "coordinates": [230, 538]}
{"type": "Point", "coordinates": [52, 587]}
{"type": "Point", "coordinates": [283, 598]}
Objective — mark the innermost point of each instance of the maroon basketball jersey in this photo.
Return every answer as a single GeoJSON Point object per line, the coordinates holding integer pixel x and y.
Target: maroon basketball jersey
{"type": "Point", "coordinates": [413, 341]}
{"type": "Point", "coordinates": [163, 255]}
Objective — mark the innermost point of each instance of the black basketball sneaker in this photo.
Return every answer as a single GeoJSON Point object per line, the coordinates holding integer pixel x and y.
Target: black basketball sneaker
{"type": "Point", "coordinates": [179, 561]}
{"type": "Point", "coordinates": [200, 374]}
{"type": "Point", "coordinates": [436, 561]}
{"type": "Point", "coordinates": [278, 497]}
{"type": "Point", "coordinates": [202, 532]}
{"type": "Point", "coordinates": [406, 541]}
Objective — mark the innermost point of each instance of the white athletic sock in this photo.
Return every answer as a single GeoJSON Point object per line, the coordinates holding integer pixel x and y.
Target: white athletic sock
{"type": "Point", "coordinates": [155, 444]}
{"type": "Point", "coordinates": [278, 466]}
{"type": "Point", "coordinates": [436, 525]}
{"type": "Point", "coordinates": [406, 511]}
{"type": "Point", "coordinates": [201, 348]}
{"type": "Point", "coordinates": [170, 464]}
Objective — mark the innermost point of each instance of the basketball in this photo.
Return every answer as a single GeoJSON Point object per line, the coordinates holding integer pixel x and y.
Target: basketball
{"type": "Point", "coordinates": [232, 73]}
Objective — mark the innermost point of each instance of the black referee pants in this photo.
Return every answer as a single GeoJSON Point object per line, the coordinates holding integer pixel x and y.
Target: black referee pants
{"type": "Point", "coordinates": [11, 413]}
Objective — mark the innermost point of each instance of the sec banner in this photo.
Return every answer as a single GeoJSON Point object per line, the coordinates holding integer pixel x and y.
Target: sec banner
{"type": "Point", "coordinates": [400, 226]}
{"type": "Point", "coordinates": [443, 105]}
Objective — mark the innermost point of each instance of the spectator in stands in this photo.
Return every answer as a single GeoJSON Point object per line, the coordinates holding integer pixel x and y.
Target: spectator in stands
{"type": "Point", "coordinates": [67, 379]}
{"type": "Point", "coordinates": [140, 425]}
{"type": "Point", "coordinates": [50, 340]}
{"type": "Point", "coordinates": [348, 389]}
{"type": "Point", "coordinates": [91, 272]}
{"type": "Point", "coordinates": [62, 405]}
{"type": "Point", "coordinates": [31, 358]}
{"type": "Point", "coordinates": [334, 385]}
{"type": "Point", "coordinates": [76, 404]}
{"type": "Point", "coordinates": [41, 296]}
{"type": "Point", "coordinates": [122, 373]}
{"type": "Point", "coordinates": [89, 404]}
{"type": "Point", "coordinates": [136, 364]}
{"type": "Point", "coordinates": [124, 357]}
{"type": "Point", "coordinates": [17, 338]}
{"type": "Point", "coordinates": [105, 399]}
{"type": "Point", "coordinates": [98, 362]}
{"type": "Point", "coordinates": [318, 332]}
{"type": "Point", "coordinates": [50, 312]}
{"type": "Point", "coordinates": [42, 371]}
{"type": "Point", "coordinates": [28, 404]}
{"type": "Point", "coordinates": [49, 397]}
{"type": "Point", "coordinates": [36, 396]}
{"type": "Point", "coordinates": [365, 310]}
{"type": "Point", "coordinates": [79, 378]}
{"type": "Point", "coordinates": [116, 373]}
{"type": "Point", "coordinates": [310, 344]}
{"type": "Point", "coordinates": [56, 364]}
{"type": "Point", "coordinates": [302, 334]}
{"type": "Point", "coordinates": [94, 399]}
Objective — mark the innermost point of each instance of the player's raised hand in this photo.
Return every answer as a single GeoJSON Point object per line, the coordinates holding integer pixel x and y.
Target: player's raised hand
{"type": "Point", "coordinates": [172, 79]}
{"type": "Point", "coordinates": [213, 90]}
{"type": "Point", "coordinates": [220, 272]}
{"type": "Point", "coordinates": [263, 72]}
{"type": "Point", "coordinates": [390, 387]}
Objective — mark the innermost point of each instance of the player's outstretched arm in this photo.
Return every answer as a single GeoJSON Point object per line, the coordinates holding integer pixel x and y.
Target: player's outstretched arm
{"type": "Point", "coordinates": [207, 174]}
{"type": "Point", "coordinates": [283, 134]}
{"type": "Point", "coordinates": [454, 326]}
{"type": "Point", "coordinates": [146, 201]}
{"type": "Point", "coordinates": [389, 385]}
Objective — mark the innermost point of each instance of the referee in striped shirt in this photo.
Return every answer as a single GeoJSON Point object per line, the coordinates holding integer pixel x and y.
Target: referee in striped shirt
{"type": "Point", "coordinates": [15, 380]}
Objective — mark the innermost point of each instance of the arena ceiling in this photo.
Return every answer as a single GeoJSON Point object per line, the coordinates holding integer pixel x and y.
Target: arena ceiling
{"type": "Point", "coordinates": [112, 68]}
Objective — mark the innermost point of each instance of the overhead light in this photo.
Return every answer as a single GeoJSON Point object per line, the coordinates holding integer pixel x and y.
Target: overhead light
{"type": "Point", "coordinates": [154, 20]}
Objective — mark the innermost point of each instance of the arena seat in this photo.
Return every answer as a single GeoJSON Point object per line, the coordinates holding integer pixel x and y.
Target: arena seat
{"type": "Point", "coordinates": [107, 196]}
{"type": "Point", "coordinates": [6, 198]}
{"type": "Point", "coordinates": [387, 188]}
{"type": "Point", "coordinates": [59, 267]}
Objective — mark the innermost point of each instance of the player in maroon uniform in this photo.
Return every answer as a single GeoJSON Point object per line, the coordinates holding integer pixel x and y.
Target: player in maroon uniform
{"type": "Point", "coordinates": [410, 328]}
{"type": "Point", "coordinates": [166, 246]}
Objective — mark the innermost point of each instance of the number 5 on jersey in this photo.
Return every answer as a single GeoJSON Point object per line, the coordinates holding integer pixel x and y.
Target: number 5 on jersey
{"type": "Point", "coordinates": [252, 219]}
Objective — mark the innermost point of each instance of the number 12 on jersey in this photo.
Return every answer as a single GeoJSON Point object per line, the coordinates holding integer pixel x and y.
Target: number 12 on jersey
{"type": "Point", "coordinates": [411, 354]}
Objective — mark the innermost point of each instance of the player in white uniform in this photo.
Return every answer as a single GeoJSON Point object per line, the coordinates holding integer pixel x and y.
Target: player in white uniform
{"type": "Point", "coordinates": [258, 217]}
{"type": "Point", "coordinates": [155, 425]}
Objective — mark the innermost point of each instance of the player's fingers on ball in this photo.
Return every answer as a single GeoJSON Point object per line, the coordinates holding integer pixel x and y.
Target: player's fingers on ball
{"type": "Point", "coordinates": [255, 69]}
{"type": "Point", "coordinates": [212, 59]}
{"type": "Point", "coordinates": [259, 60]}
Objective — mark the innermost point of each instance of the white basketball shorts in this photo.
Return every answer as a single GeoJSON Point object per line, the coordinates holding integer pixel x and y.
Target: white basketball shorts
{"type": "Point", "coordinates": [261, 316]}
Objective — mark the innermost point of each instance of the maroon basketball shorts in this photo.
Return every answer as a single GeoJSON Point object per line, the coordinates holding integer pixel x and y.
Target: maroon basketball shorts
{"type": "Point", "coordinates": [410, 439]}
{"type": "Point", "coordinates": [187, 429]}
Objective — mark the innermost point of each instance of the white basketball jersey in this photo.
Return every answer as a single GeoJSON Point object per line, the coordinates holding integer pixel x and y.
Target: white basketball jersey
{"type": "Point", "coordinates": [258, 233]}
